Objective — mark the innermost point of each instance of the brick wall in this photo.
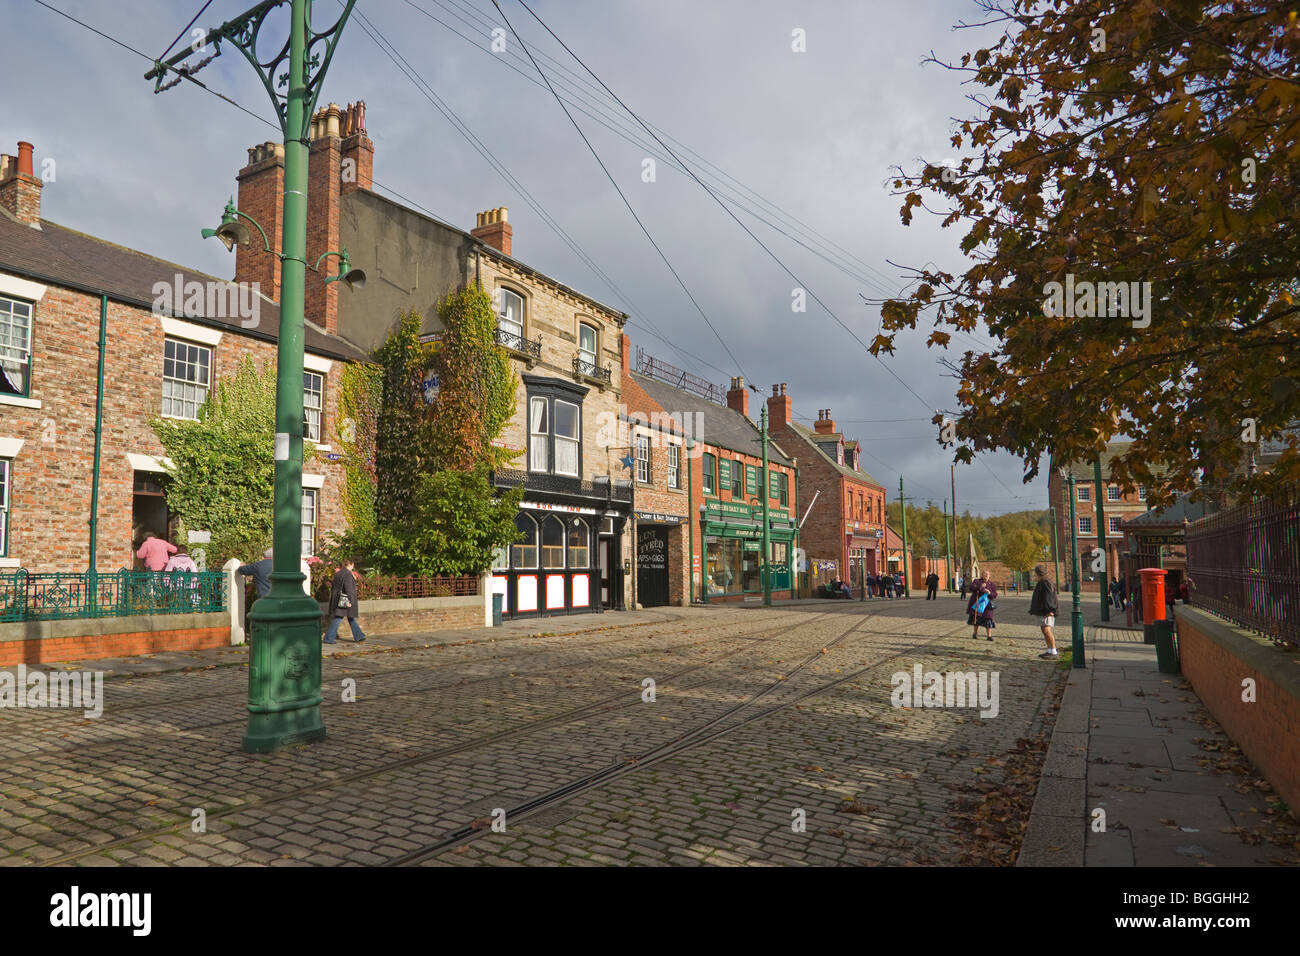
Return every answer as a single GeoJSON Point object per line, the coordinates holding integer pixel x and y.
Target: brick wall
{"type": "Point", "coordinates": [51, 475]}
{"type": "Point", "coordinates": [1215, 658]}
{"type": "Point", "coordinates": [96, 639]}
{"type": "Point", "coordinates": [405, 616]}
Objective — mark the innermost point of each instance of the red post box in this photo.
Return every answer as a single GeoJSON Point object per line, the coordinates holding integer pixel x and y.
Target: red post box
{"type": "Point", "coordinates": [1153, 594]}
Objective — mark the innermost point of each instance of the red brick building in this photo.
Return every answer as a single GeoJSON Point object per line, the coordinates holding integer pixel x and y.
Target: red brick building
{"type": "Point", "coordinates": [169, 335]}
{"type": "Point", "coordinates": [710, 505]}
{"type": "Point", "coordinates": [846, 524]}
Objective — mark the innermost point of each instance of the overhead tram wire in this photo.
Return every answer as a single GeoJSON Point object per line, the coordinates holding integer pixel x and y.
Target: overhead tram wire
{"type": "Point", "coordinates": [705, 187]}
{"type": "Point", "coordinates": [614, 183]}
{"type": "Point", "coordinates": [389, 189]}
{"type": "Point", "coordinates": [387, 47]}
{"type": "Point", "coordinates": [831, 250]}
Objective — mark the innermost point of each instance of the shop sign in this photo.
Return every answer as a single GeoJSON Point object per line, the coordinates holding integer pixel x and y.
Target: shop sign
{"type": "Point", "coordinates": [571, 509]}
{"type": "Point", "coordinates": [658, 517]}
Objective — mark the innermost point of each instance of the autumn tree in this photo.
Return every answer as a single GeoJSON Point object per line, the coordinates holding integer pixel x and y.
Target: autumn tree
{"type": "Point", "coordinates": [1155, 145]}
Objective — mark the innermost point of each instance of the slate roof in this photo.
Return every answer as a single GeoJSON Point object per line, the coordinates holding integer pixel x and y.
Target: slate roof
{"type": "Point", "coordinates": [1172, 516]}
{"type": "Point", "coordinates": [815, 440]}
{"type": "Point", "coordinates": [723, 426]}
{"type": "Point", "coordinates": [55, 255]}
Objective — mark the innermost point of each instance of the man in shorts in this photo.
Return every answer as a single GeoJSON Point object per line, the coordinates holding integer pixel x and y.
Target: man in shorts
{"type": "Point", "coordinates": [1042, 606]}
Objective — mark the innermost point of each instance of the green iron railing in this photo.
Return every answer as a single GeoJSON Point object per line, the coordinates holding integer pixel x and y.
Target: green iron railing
{"type": "Point", "coordinates": [52, 596]}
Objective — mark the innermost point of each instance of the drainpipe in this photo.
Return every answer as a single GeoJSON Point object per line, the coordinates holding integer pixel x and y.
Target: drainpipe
{"type": "Point", "coordinates": [99, 429]}
{"type": "Point", "coordinates": [690, 526]}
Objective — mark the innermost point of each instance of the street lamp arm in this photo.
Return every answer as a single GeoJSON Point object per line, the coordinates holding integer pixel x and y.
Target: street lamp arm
{"type": "Point", "coordinates": [266, 243]}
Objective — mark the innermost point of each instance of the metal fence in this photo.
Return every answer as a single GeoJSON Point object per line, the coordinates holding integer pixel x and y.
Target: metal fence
{"type": "Point", "coordinates": [1244, 565]}
{"type": "Point", "coordinates": [377, 588]}
{"type": "Point", "coordinates": [52, 596]}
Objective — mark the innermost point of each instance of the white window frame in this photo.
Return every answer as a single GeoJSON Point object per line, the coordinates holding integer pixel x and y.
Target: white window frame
{"type": "Point", "coordinates": [308, 407]}
{"type": "Point", "coordinates": [642, 443]}
{"type": "Point", "coordinates": [206, 387]}
{"type": "Point", "coordinates": [1082, 519]}
{"type": "Point", "coordinates": [6, 481]}
{"type": "Point", "coordinates": [573, 442]}
{"type": "Point", "coordinates": [1142, 492]}
{"type": "Point", "coordinates": [674, 465]}
{"type": "Point", "coordinates": [1113, 523]}
{"type": "Point", "coordinates": [1113, 493]}
{"type": "Point", "coordinates": [1083, 492]}
{"type": "Point", "coordinates": [505, 322]}
{"type": "Point", "coordinates": [310, 506]}
{"type": "Point", "coordinates": [19, 350]}
{"type": "Point", "coordinates": [588, 356]}
{"type": "Point", "coordinates": [534, 542]}
{"type": "Point", "coordinates": [539, 441]}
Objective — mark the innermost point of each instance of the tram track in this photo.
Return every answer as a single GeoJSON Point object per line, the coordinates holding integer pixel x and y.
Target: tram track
{"type": "Point", "coordinates": [710, 730]}
{"type": "Point", "coordinates": [611, 703]}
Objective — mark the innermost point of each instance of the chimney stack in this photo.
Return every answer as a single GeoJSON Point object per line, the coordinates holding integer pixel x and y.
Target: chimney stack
{"type": "Point", "coordinates": [780, 408]}
{"type": "Point", "coordinates": [340, 160]}
{"type": "Point", "coordinates": [20, 190]}
{"type": "Point", "coordinates": [738, 396]}
{"type": "Point", "coordinates": [494, 229]}
{"type": "Point", "coordinates": [825, 424]}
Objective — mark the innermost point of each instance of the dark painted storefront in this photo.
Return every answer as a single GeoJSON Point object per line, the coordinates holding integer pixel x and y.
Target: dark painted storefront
{"type": "Point", "coordinates": [568, 558]}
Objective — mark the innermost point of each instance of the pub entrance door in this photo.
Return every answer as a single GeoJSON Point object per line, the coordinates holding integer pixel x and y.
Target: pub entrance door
{"type": "Point", "coordinates": [652, 565]}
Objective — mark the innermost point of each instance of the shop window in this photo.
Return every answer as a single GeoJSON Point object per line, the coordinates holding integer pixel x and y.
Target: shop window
{"type": "Point", "coordinates": [552, 542]}
{"type": "Point", "coordinates": [579, 544]}
{"type": "Point", "coordinates": [523, 553]}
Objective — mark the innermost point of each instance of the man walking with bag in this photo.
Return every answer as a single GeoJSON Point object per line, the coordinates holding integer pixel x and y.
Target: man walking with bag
{"type": "Point", "coordinates": [343, 604]}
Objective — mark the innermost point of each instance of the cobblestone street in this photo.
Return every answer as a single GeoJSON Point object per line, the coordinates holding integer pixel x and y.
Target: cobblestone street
{"type": "Point", "coordinates": [771, 740]}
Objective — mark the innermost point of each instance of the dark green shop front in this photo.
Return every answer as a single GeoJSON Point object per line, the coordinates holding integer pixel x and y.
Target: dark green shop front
{"type": "Point", "coordinates": [733, 542]}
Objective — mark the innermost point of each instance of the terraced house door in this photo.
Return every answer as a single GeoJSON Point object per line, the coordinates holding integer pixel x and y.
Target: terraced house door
{"type": "Point", "coordinates": [652, 565]}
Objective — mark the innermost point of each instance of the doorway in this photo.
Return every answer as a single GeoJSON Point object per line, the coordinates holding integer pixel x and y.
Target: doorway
{"type": "Point", "coordinates": [652, 565]}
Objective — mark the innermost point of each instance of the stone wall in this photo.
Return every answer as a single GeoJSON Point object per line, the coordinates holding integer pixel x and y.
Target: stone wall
{"type": "Point", "coordinates": [39, 642]}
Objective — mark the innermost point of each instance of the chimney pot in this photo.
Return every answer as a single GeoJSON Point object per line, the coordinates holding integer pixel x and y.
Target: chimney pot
{"type": "Point", "coordinates": [25, 158]}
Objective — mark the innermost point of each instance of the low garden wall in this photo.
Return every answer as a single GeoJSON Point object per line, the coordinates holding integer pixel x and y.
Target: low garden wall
{"type": "Point", "coordinates": [37, 642]}
{"type": "Point", "coordinates": [1216, 658]}
{"type": "Point", "coordinates": [410, 615]}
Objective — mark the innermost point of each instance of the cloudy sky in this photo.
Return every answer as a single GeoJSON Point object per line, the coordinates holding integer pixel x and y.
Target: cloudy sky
{"type": "Point", "coordinates": [803, 139]}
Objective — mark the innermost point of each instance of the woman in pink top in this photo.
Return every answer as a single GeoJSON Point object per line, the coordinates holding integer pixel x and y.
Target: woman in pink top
{"type": "Point", "coordinates": [154, 552]}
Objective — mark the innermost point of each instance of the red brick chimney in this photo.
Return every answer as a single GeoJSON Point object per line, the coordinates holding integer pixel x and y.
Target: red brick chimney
{"type": "Point", "coordinates": [625, 346]}
{"type": "Point", "coordinates": [494, 229]}
{"type": "Point", "coordinates": [20, 190]}
{"type": "Point", "coordinates": [358, 150]}
{"type": "Point", "coordinates": [825, 424]}
{"type": "Point", "coordinates": [340, 161]}
{"type": "Point", "coordinates": [738, 396]}
{"type": "Point", "coordinates": [780, 408]}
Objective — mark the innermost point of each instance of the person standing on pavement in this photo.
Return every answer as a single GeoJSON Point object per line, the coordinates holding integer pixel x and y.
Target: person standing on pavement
{"type": "Point", "coordinates": [932, 587]}
{"type": "Point", "coordinates": [343, 604]}
{"type": "Point", "coordinates": [889, 586]}
{"type": "Point", "coordinates": [154, 552]}
{"type": "Point", "coordinates": [871, 584]}
{"type": "Point", "coordinates": [980, 608]}
{"type": "Point", "coordinates": [1123, 594]}
{"type": "Point", "coordinates": [1042, 605]}
{"type": "Point", "coordinates": [260, 572]}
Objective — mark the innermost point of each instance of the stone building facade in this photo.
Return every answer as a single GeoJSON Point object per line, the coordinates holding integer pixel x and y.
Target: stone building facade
{"type": "Point", "coordinates": [574, 525]}
{"type": "Point", "coordinates": [161, 356]}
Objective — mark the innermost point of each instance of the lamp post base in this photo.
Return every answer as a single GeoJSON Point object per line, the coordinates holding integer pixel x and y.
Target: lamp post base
{"type": "Point", "coordinates": [284, 670]}
{"type": "Point", "coordinates": [1076, 639]}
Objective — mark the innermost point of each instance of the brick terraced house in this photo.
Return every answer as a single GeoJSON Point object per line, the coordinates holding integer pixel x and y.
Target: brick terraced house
{"type": "Point", "coordinates": [700, 488]}
{"type": "Point", "coordinates": [60, 290]}
{"type": "Point", "coordinates": [844, 534]}
{"type": "Point", "coordinates": [575, 542]}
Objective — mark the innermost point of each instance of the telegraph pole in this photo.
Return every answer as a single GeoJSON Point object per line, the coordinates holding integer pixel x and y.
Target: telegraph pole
{"type": "Point", "coordinates": [765, 491]}
{"type": "Point", "coordinates": [907, 570]}
{"type": "Point", "coordinates": [284, 674]}
{"type": "Point", "coordinates": [956, 542]}
{"type": "Point", "coordinates": [947, 550]}
{"type": "Point", "coordinates": [1076, 613]}
{"type": "Point", "coordinates": [1101, 541]}
{"type": "Point", "coordinates": [1056, 556]}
